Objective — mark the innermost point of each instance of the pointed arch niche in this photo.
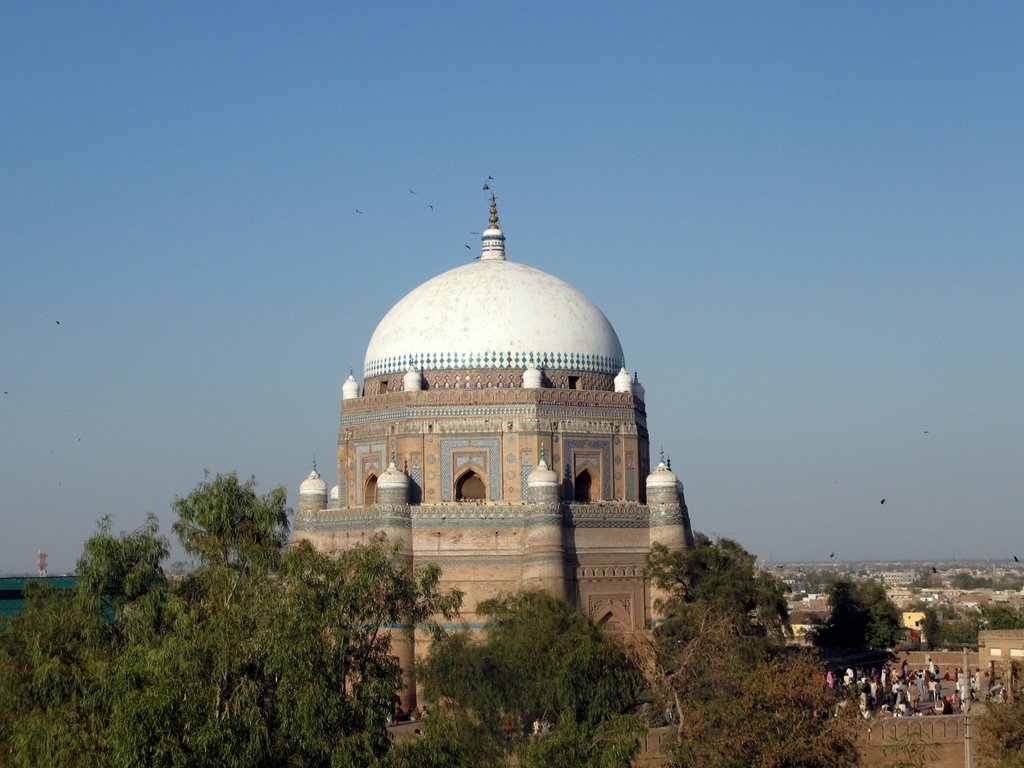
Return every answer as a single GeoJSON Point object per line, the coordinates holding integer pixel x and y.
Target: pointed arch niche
{"type": "Point", "coordinates": [470, 487]}
{"type": "Point", "coordinates": [370, 491]}
{"type": "Point", "coordinates": [583, 486]}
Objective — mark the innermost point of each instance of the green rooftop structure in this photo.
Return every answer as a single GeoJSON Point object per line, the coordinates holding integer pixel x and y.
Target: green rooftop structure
{"type": "Point", "coordinates": [12, 591]}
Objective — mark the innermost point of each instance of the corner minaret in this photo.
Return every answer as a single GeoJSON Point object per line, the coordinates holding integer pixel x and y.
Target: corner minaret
{"type": "Point", "coordinates": [492, 239]}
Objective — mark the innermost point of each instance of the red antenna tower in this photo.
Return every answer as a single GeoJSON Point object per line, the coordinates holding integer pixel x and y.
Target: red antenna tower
{"type": "Point", "coordinates": [41, 562]}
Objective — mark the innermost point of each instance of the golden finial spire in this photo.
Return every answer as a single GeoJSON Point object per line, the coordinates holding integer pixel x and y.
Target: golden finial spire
{"type": "Point", "coordinates": [494, 211]}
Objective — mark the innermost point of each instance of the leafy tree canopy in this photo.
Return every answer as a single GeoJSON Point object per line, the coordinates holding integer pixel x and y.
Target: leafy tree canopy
{"type": "Point", "coordinates": [862, 616]}
{"type": "Point", "coordinates": [719, 575]}
{"type": "Point", "coordinates": [263, 656]}
{"type": "Point", "coordinates": [539, 659]}
{"type": "Point", "coordinates": [1000, 737]}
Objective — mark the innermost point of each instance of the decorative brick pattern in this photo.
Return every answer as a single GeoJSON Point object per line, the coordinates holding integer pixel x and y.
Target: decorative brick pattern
{"type": "Point", "coordinates": [492, 359]}
{"type": "Point", "coordinates": [415, 485]}
{"type": "Point", "coordinates": [603, 446]}
{"type": "Point", "coordinates": [492, 446]}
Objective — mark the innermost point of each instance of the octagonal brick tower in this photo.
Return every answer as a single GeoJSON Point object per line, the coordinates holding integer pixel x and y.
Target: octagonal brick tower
{"type": "Point", "coordinates": [468, 382]}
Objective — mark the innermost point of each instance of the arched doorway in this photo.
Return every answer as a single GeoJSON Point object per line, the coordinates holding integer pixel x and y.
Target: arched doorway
{"type": "Point", "coordinates": [583, 484]}
{"type": "Point", "coordinates": [370, 491]}
{"type": "Point", "coordinates": [469, 487]}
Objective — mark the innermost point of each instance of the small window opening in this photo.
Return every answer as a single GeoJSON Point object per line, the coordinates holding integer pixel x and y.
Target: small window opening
{"type": "Point", "coordinates": [583, 484]}
{"type": "Point", "coordinates": [574, 382]}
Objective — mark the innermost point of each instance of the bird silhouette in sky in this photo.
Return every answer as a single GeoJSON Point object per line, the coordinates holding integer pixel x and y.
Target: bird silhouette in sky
{"type": "Point", "coordinates": [934, 569]}
{"type": "Point", "coordinates": [882, 501]}
{"type": "Point", "coordinates": [1015, 558]}
{"type": "Point", "coordinates": [57, 322]}
{"type": "Point", "coordinates": [430, 207]}
{"type": "Point", "coordinates": [467, 246]}
{"type": "Point", "coordinates": [411, 192]}
{"type": "Point", "coordinates": [358, 211]}
{"type": "Point", "coordinates": [474, 233]}
{"type": "Point", "coordinates": [487, 187]}
{"type": "Point", "coordinates": [832, 555]}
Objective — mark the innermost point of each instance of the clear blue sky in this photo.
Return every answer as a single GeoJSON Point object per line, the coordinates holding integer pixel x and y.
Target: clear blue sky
{"type": "Point", "coordinates": [804, 220]}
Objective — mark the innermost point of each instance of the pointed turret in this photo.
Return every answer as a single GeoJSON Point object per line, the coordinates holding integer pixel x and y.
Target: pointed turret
{"type": "Point", "coordinates": [312, 494]}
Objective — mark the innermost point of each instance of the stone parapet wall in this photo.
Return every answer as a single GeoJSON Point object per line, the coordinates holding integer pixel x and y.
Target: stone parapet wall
{"type": "Point", "coordinates": [939, 739]}
{"type": "Point", "coordinates": [375, 403]}
{"type": "Point", "coordinates": [944, 660]}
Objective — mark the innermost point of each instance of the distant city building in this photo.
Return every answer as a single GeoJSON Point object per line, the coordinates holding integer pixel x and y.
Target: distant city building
{"type": "Point", "coordinates": [498, 434]}
{"type": "Point", "coordinates": [897, 578]}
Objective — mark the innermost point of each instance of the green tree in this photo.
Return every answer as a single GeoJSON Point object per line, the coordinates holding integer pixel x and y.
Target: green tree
{"type": "Point", "coordinates": [862, 616]}
{"type": "Point", "coordinates": [262, 656]}
{"type": "Point", "coordinates": [539, 659]}
{"type": "Point", "coordinates": [718, 661]}
{"type": "Point", "coordinates": [58, 657]}
{"type": "Point", "coordinates": [1002, 616]}
{"type": "Point", "coordinates": [720, 575]}
{"type": "Point", "coordinates": [1000, 736]}
{"type": "Point", "coordinates": [970, 581]}
{"type": "Point", "coordinates": [932, 626]}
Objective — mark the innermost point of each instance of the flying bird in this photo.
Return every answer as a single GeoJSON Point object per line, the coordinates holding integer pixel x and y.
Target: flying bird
{"type": "Point", "coordinates": [490, 178]}
{"type": "Point", "coordinates": [467, 246]}
{"type": "Point", "coordinates": [358, 211]}
{"type": "Point", "coordinates": [411, 192]}
{"type": "Point", "coordinates": [832, 555]}
{"type": "Point", "coordinates": [926, 432]}
{"type": "Point", "coordinates": [57, 322]}
{"type": "Point", "coordinates": [474, 233]}
{"type": "Point", "coordinates": [882, 501]}
{"type": "Point", "coordinates": [1015, 558]}
{"type": "Point", "coordinates": [430, 207]}
{"type": "Point", "coordinates": [934, 569]}
{"type": "Point", "coordinates": [487, 187]}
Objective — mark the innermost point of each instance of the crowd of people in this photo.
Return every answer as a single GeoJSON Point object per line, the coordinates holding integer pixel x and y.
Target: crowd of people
{"type": "Point", "coordinates": [906, 692]}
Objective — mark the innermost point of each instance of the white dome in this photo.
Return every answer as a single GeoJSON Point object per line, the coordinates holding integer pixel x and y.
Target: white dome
{"type": "Point", "coordinates": [494, 313]}
{"type": "Point", "coordinates": [623, 382]}
{"type": "Point", "coordinates": [532, 377]}
{"type": "Point", "coordinates": [350, 388]}
{"type": "Point", "coordinates": [662, 477]}
{"type": "Point", "coordinates": [313, 485]}
{"type": "Point", "coordinates": [542, 476]}
{"type": "Point", "coordinates": [392, 477]}
{"type": "Point", "coordinates": [412, 382]}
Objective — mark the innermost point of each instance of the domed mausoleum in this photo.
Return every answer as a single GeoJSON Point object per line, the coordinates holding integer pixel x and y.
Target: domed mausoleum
{"type": "Point", "coordinates": [498, 434]}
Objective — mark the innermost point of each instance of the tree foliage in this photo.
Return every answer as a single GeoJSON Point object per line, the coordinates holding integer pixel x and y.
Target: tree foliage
{"type": "Point", "coordinates": [539, 659]}
{"type": "Point", "coordinates": [718, 662]}
{"type": "Point", "coordinates": [862, 616]}
{"type": "Point", "coordinates": [1001, 616]}
{"type": "Point", "coordinates": [263, 656]}
{"type": "Point", "coordinates": [720, 575]}
{"type": "Point", "coordinates": [1000, 732]}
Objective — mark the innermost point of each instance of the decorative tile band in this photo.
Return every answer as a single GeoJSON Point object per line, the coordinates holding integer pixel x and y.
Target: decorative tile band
{"type": "Point", "coordinates": [434, 361]}
{"type": "Point", "coordinates": [445, 516]}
